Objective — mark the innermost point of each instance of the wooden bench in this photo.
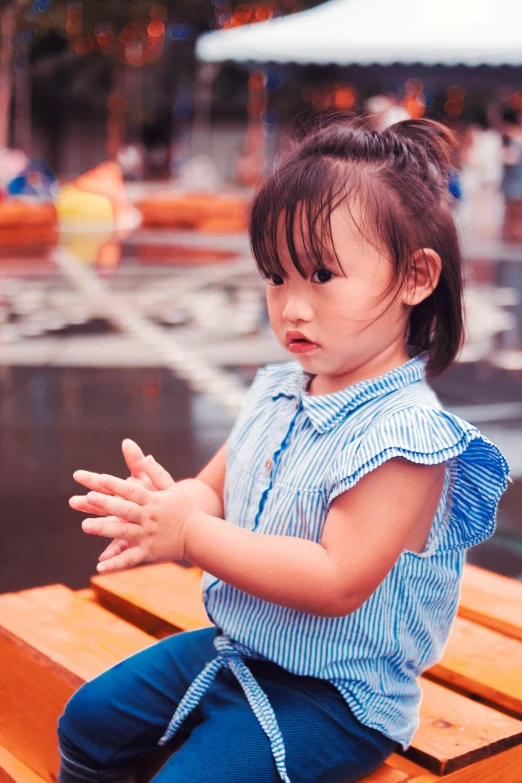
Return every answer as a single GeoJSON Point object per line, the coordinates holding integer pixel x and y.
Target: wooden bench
{"type": "Point", "coordinates": [52, 640]}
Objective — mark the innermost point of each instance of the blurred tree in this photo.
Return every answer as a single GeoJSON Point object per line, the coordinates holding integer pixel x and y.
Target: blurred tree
{"type": "Point", "coordinates": [42, 37]}
{"type": "Point", "coordinates": [8, 11]}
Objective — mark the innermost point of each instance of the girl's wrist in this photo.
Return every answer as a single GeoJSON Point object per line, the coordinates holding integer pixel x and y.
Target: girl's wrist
{"type": "Point", "coordinates": [203, 495]}
{"type": "Point", "coordinates": [194, 523]}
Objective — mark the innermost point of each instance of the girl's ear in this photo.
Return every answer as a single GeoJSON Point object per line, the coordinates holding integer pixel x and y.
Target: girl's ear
{"type": "Point", "coordinates": [422, 277]}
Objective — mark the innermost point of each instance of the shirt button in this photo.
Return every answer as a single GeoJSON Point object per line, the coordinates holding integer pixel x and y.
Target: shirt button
{"type": "Point", "coordinates": [268, 466]}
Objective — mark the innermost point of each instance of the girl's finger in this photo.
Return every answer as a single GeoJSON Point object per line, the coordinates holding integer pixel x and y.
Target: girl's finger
{"type": "Point", "coordinates": [108, 505]}
{"type": "Point", "coordinates": [88, 479]}
{"type": "Point", "coordinates": [133, 456]}
{"type": "Point", "coordinates": [157, 474]}
{"type": "Point", "coordinates": [143, 481]}
{"type": "Point", "coordinates": [112, 527]}
{"type": "Point", "coordinates": [132, 491]}
{"type": "Point", "coordinates": [80, 503]}
{"type": "Point", "coordinates": [92, 480]}
{"type": "Point", "coordinates": [115, 548]}
{"type": "Point", "coordinates": [128, 559]}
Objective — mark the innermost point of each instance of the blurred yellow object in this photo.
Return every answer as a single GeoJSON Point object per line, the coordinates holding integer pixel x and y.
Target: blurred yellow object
{"type": "Point", "coordinates": [76, 207]}
{"type": "Point", "coordinates": [85, 245]}
{"type": "Point", "coordinates": [106, 179]}
{"type": "Point", "coordinates": [97, 200]}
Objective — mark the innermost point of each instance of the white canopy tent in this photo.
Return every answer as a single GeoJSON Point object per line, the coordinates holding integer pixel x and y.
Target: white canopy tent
{"type": "Point", "coordinates": [366, 32]}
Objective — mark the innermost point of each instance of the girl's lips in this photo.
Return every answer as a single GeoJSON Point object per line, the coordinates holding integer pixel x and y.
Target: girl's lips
{"type": "Point", "coordinates": [296, 346]}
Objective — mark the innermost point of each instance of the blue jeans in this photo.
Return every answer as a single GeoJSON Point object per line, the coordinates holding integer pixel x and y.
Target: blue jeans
{"type": "Point", "coordinates": [114, 721]}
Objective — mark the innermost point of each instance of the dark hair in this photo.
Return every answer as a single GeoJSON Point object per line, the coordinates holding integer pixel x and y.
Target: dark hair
{"type": "Point", "coordinates": [398, 178]}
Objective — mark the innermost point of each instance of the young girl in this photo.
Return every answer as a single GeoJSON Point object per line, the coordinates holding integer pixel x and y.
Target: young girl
{"type": "Point", "coordinates": [333, 525]}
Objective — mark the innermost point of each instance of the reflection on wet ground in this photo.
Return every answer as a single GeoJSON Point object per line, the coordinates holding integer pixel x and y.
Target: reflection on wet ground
{"type": "Point", "coordinates": [159, 345]}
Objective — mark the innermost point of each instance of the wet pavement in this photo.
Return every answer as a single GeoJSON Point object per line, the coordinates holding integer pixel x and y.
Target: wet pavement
{"type": "Point", "coordinates": [157, 340]}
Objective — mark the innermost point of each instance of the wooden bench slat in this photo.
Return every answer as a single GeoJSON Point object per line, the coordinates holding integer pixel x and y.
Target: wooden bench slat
{"type": "Point", "coordinates": [85, 638]}
{"type": "Point", "coordinates": [408, 767]}
{"type": "Point", "coordinates": [158, 598]}
{"type": "Point", "coordinates": [492, 600]}
{"type": "Point", "coordinates": [454, 731]}
{"type": "Point", "coordinates": [50, 643]}
{"type": "Point", "coordinates": [503, 768]}
{"type": "Point", "coordinates": [425, 779]}
{"type": "Point", "coordinates": [483, 662]}
{"type": "Point", "coordinates": [386, 774]}
{"type": "Point", "coordinates": [13, 771]}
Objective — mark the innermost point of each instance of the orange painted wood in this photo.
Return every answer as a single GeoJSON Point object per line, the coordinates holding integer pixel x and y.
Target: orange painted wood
{"type": "Point", "coordinates": [454, 730]}
{"type": "Point", "coordinates": [492, 600]}
{"type": "Point", "coordinates": [86, 594]}
{"type": "Point", "coordinates": [483, 662]}
{"type": "Point", "coordinates": [159, 598]}
{"type": "Point", "coordinates": [51, 642]}
{"type": "Point", "coordinates": [13, 771]}
{"type": "Point", "coordinates": [425, 779]}
{"type": "Point", "coordinates": [505, 767]}
{"type": "Point", "coordinates": [408, 767]}
{"type": "Point", "coordinates": [386, 774]}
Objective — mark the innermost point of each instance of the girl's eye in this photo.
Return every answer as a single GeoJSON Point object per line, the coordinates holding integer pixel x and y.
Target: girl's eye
{"type": "Point", "coordinates": [274, 280]}
{"type": "Point", "coordinates": [322, 276]}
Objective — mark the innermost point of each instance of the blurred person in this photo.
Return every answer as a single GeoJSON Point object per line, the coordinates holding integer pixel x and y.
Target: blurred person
{"type": "Point", "coordinates": [333, 525]}
{"type": "Point", "coordinates": [35, 181]}
{"type": "Point", "coordinates": [512, 179]}
{"type": "Point", "coordinates": [250, 161]}
{"type": "Point", "coordinates": [131, 159]}
{"type": "Point", "coordinates": [200, 173]}
{"type": "Point", "coordinates": [481, 176]}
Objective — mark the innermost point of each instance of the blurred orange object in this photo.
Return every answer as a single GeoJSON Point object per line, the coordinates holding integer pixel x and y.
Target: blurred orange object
{"type": "Point", "coordinates": [210, 212]}
{"type": "Point", "coordinates": [169, 254]}
{"type": "Point", "coordinates": [25, 223]}
{"type": "Point", "coordinates": [106, 179]}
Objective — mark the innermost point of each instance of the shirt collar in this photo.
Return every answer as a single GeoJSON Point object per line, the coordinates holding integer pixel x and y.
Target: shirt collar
{"type": "Point", "coordinates": [325, 410]}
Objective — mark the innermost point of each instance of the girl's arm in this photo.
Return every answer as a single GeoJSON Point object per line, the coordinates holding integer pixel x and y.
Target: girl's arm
{"type": "Point", "coordinates": [367, 528]}
{"type": "Point", "coordinates": [209, 484]}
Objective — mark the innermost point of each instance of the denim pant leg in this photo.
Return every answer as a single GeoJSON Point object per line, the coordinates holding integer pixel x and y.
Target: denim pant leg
{"type": "Point", "coordinates": [324, 742]}
{"type": "Point", "coordinates": [119, 717]}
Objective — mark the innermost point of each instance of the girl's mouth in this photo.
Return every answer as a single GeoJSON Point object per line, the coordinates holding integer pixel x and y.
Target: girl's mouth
{"type": "Point", "coordinates": [301, 346]}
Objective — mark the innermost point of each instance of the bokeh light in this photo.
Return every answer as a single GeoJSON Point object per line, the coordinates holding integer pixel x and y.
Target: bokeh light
{"type": "Point", "coordinates": [344, 97]}
{"type": "Point", "coordinates": [456, 93]}
{"type": "Point", "coordinates": [158, 13]}
{"type": "Point", "coordinates": [156, 29]}
{"type": "Point", "coordinates": [515, 100]}
{"type": "Point", "coordinates": [413, 87]}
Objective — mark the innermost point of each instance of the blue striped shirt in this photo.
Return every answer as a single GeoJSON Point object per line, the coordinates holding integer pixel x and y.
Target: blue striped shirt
{"type": "Point", "coordinates": [289, 455]}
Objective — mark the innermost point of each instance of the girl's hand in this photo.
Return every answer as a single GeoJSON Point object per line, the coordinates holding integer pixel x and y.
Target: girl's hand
{"type": "Point", "coordinates": [153, 524]}
{"type": "Point", "coordinates": [145, 471]}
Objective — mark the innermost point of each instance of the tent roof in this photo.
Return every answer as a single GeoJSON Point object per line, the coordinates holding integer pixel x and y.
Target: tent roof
{"type": "Point", "coordinates": [431, 32]}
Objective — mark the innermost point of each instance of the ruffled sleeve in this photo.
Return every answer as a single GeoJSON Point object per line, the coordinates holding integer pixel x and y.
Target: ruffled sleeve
{"type": "Point", "coordinates": [477, 470]}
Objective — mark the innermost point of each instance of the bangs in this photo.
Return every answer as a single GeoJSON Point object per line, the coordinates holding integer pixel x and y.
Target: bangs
{"type": "Point", "coordinates": [292, 210]}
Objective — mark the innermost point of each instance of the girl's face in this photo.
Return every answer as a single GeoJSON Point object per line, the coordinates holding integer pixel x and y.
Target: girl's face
{"type": "Point", "coordinates": [351, 319]}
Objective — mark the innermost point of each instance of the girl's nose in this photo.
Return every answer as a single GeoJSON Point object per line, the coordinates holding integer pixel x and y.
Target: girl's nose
{"type": "Point", "coordinates": [296, 309]}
